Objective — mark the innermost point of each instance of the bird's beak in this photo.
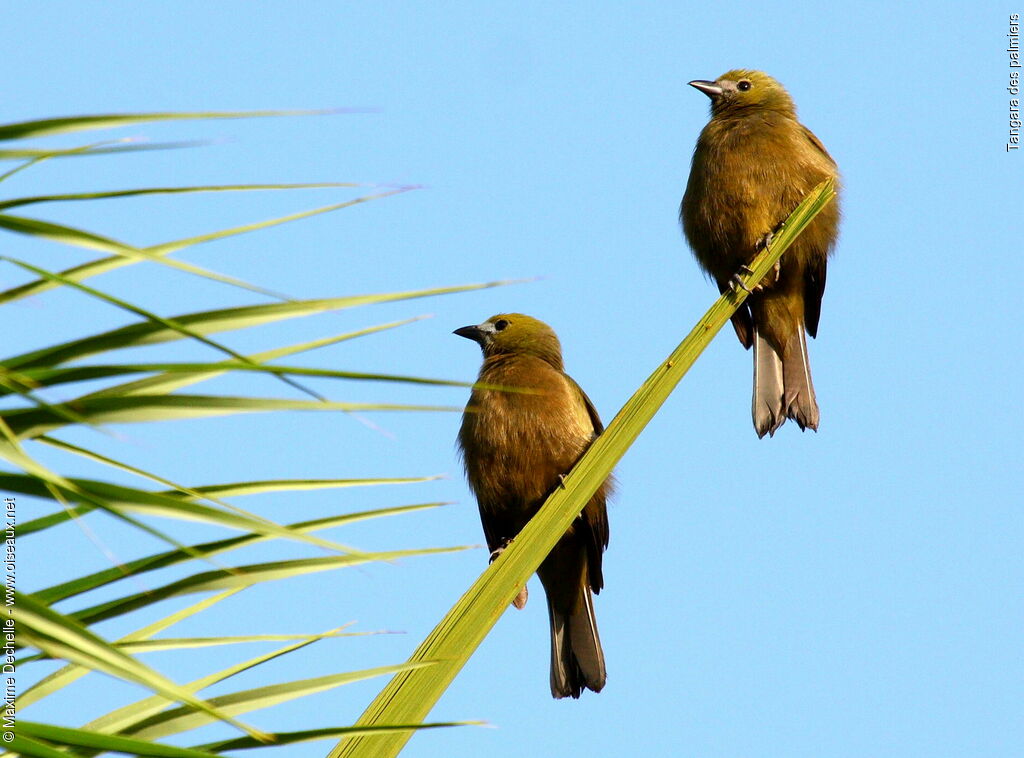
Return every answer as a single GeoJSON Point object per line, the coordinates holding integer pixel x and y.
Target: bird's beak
{"type": "Point", "coordinates": [474, 333]}
{"type": "Point", "coordinates": [710, 89]}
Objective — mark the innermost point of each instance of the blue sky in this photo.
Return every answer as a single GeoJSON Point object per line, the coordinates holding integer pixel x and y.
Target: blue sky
{"type": "Point", "coordinates": [847, 593]}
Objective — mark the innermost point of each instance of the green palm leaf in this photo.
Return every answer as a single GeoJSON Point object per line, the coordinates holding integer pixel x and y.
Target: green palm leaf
{"type": "Point", "coordinates": [206, 549]}
{"type": "Point", "coordinates": [32, 422]}
{"type": "Point", "coordinates": [140, 192]}
{"type": "Point", "coordinates": [308, 735]}
{"type": "Point", "coordinates": [169, 382]}
{"type": "Point", "coordinates": [66, 124]}
{"type": "Point", "coordinates": [63, 637]}
{"type": "Point", "coordinates": [110, 147]}
{"type": "Point", "coordinates": [243, 576]}
{"type": "Point", "coordinates": [52, 377]}
{"type": "Point", "coordinates": [211, 322]}
{"type": "Point", "coordinates": [185, 718]}
{"type": "Point", "coordinates": [117, 497]}
{"type": "Point", "coordinates": [152, 712]}
{"type": "Point", "coordinates": [141, 392]}
{"type": "Point", "coordinates": [101, 265]}
{"type": "Point", "coordinates": [73, 671]}
{"type": "Point", "coordinates": [59, 735]}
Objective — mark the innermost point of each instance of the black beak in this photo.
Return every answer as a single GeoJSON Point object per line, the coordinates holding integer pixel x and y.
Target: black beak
{"type": "Point", "coordinates": [474, 333]}
{"type": "Point", "coordinates": [710, 89]}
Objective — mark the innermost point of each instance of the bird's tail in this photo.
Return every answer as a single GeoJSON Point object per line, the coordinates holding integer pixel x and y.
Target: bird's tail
{"type": "Point", "coordinates": [577, 660]}
{"type": "Point", "coordinates": [766, 407]}
{"type": "Point", "coordinates": [782, 384]}
{"type": "Point", "coordinates": [799, 400]}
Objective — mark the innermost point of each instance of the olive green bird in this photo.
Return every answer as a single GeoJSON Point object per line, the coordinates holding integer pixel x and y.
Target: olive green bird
{"type": "Point", "coordinates": [517, 441]}
{"type": "Point", "coordinates": [753, 164]}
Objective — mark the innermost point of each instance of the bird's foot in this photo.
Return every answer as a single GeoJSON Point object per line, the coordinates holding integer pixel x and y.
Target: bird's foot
{"type": "Point", "coordinates": [766, 240]}
{"type": "Point", "coordinates": [561, 481]}
{"type": "Point", "coordinates": [519, 601]}
{"type": "Point", "coordinates": [736, 282]}
{"type": "Point", "coordinates": [771, 278]}
{"type": "Point", "coordinates": [499, 550]}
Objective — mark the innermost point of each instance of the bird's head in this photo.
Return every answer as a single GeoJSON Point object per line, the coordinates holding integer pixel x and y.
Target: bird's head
{"type": "Point", "coordinates": [743, 90]}
{"type": "Point", "coordinates": [515, 334]}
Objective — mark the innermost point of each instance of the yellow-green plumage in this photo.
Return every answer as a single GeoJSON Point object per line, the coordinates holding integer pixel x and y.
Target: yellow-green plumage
{"type": "Point", "coordinates": [753, 164]}
{"type": "Point", "coordinates": [516, 444]}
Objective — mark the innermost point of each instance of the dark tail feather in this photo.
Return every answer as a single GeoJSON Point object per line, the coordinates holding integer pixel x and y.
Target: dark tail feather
{"type": "Point", "coordinates": [577, 660]}
{"type": "Point", "coordinates": [768, 407]}
{"type": "Point", "coordinates": [799, 400]}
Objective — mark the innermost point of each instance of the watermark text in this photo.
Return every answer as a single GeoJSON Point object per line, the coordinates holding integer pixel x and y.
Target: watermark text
{"type": "Point", "coordinates": [7, 680]}
{"type": "Point", "coordinates": [1013, 48]}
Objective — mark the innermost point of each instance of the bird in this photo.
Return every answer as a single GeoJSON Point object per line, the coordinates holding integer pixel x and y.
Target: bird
{"type": "Point", "coordinates": [752, 165]}
{"type": "Point", "coordinates": [520, 435]}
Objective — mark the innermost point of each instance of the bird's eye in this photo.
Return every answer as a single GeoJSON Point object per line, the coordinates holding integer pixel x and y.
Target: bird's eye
{"type": "Point", "coordinates": [500, 324]}
{"type": "Point", "coordinates": [744, 85]}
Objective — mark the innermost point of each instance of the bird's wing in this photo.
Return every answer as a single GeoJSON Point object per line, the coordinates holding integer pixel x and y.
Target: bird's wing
{"type": "Point", "coordinates": [742, 321]}
{"type": "Point", "coordinates": [817, 143]}
{"type": "Point", "coordinates": [814, 279]}
{"type": "Point", "coordinates": [595, 514]}
{"type": "Point", "coordinates": [493, 540]}
{"type": "Point", "coordinates": [595, 420]}
{"type": "Point", "coordinates": [814, 290]}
